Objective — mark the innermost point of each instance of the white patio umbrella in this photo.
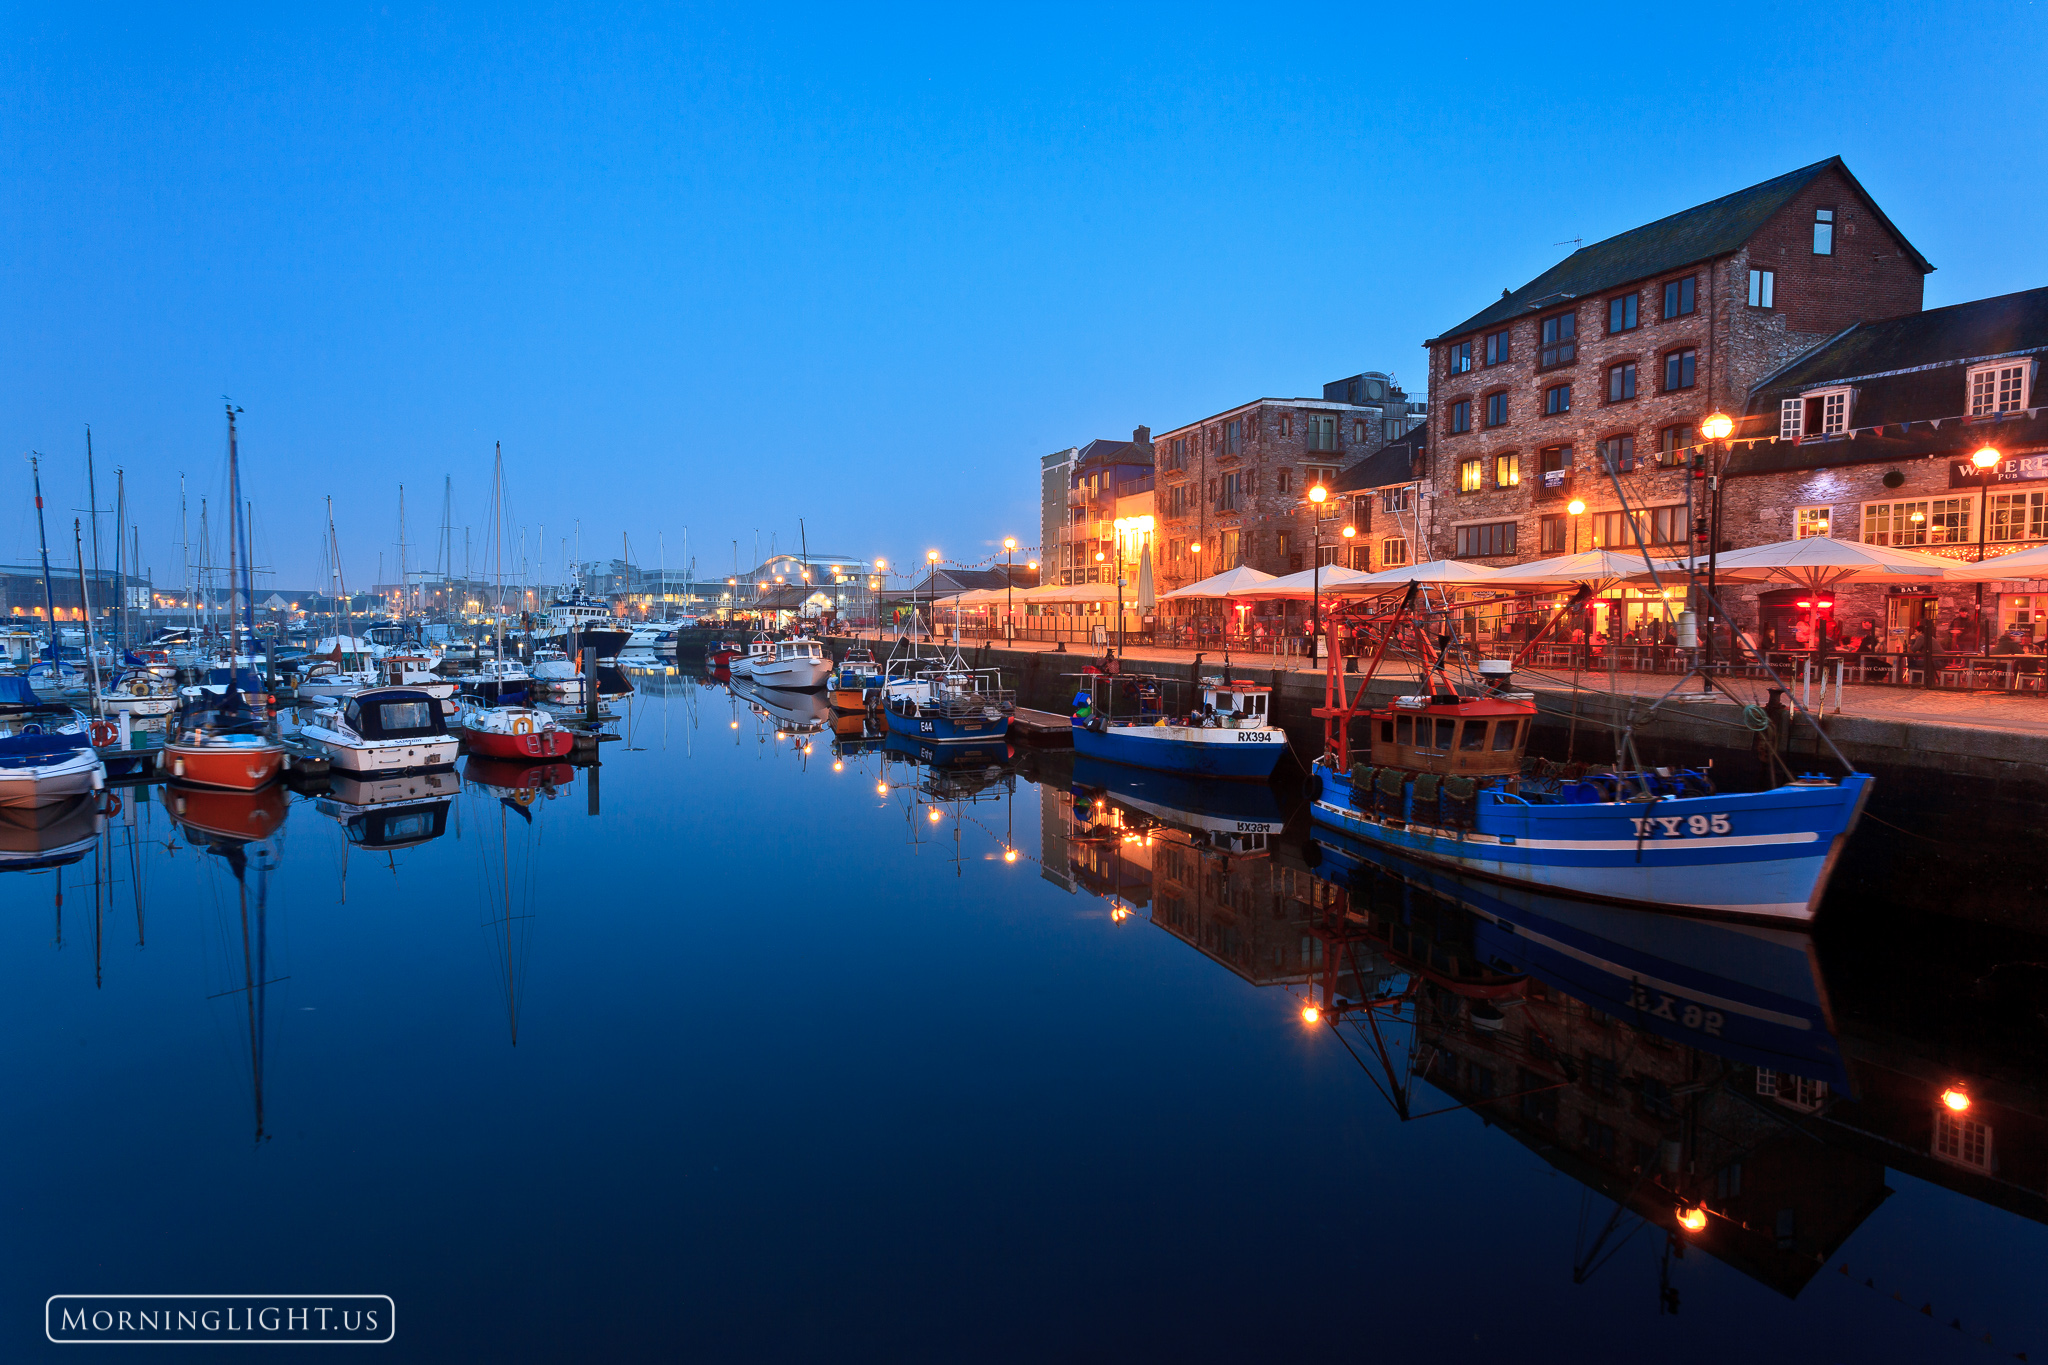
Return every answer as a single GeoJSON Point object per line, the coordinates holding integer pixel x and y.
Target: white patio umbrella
{"type": "Point", "coordinates": [1078, 592]}
{"type": "Point", "coordinates": [2023, 565]}
{"type": "Point", "coordinates": [1229, 583]}
{"type": "Point", "coordinates": [1454, 573]}
{"type": "Point", "coordinates": [1147, 599]}
{"type": "Point", "coordinates": [1302, 585]}
{"type": "Point", "coordinates": [1820, 562]}
{"type": "Point", "coordinates": [1601, 568]}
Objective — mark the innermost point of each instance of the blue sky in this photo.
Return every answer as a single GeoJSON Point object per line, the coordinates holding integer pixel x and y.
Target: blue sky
{"type": "Point", "coordinates": [725, 268]}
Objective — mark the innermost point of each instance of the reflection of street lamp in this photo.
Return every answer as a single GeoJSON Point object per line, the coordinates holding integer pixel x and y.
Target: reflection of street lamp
{"type": "Point", "coordinates": [1009, 584]}
{"type": "Point", "coordinates": [1316, 496]}
{"type": "Point", "coordinates": [1986, 460]}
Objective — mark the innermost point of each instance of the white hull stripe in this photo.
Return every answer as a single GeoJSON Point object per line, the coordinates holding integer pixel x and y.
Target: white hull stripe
{"type": "Point", "coordinates": [1596, 845]}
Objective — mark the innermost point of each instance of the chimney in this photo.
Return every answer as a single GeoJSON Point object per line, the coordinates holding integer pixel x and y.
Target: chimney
{"type": "Point", "coordinates": [1141, 436]}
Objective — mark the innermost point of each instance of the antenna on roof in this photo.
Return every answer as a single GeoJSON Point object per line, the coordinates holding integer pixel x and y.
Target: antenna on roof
{"type": "Point", "coordinates": [1570, 241]}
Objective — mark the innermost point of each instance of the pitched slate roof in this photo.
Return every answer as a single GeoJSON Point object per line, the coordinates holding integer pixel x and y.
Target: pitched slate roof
{"type": "Point", "coordinates": [1891, 347]}
{"type": "Point", "coordinates": [1098, 453]}
{"type": "Point", "coordinates": [1392, 463]}
{"type": "Point", "coordinates": [1697, 234]}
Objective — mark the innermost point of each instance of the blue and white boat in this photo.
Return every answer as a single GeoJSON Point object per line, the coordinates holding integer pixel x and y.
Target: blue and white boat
{"type": "Point", "coordinates": [951, 706]}
{"type": "Point", "coordinates": [1443, 785]}
{"type": "Point", "coordinates": [1129, 718]}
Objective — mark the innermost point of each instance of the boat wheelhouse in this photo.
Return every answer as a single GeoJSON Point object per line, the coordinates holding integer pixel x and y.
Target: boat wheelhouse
{"type": "Point", "coordinates": [385, 729]}
{"type": "Point", "coordinates": [796, 665]}
{"type": "Point", "coordinates": [1134, 718]}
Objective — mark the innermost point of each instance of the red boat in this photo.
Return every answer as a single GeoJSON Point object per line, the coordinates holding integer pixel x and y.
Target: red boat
{"type": "Point", "coordinates": [515, 732]}
{"type": "Point", "coordinates": [223, 741]}
{"type": "Point", "coordinates": [723, 653]}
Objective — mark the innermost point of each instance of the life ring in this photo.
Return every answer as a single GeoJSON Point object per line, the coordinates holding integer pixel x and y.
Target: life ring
{"type": "Point", "coordinates": [138, 688]}
{"type": "Point", "coordinates": [113, 805]}
{"type": "Point", "coordinates": [104, 732]}
{"type": "Point", "coordinates": [524, 796]}
{"type": "Point", "coordinates": [521, 725]}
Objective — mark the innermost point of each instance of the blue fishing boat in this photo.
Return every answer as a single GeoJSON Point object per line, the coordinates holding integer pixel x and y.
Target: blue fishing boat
{"type": "Point", "coordinates": [1751, 993]}
{"type": "Point", "coordinates": [953, 706]}
{"type": "Point", "coordinates": [1131, 718]}
{"type": "Point", "coordinates": [1443, 783]}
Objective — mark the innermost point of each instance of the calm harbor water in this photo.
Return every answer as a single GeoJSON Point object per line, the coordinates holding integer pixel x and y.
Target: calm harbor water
{"type": "Point", "coordinates": [752, 1044]}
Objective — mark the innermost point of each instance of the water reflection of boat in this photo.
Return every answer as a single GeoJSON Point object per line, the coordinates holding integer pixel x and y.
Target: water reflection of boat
{"type": "Point", "coordinates": [381, 813]}
{"type": "Point", "coordinates": [507, 778]}
{"type": "Point", "coordinates": [1751, 994]}
{"type": "Point", "coordinates": [52, 835]}
{"type": "Point", "coordinates": [957, 757]}
{"type": "Point", "coordinates": [211, 814]}
{"type": "Point", "coordinates": [1238, 817]}
{"type": "Point", "coordinates": [792, 711]}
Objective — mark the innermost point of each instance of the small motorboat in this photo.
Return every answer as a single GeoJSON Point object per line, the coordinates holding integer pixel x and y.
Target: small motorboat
{"type": "Point", "coordinates": [329, 681]}
{"type": "Point", "coordinates": [139, 692]}
{"type": "Point", "coordinates": [384, 729]}
{"type": "Point", "coordinates": [856, 683]}
{"type": "Point", "coordinates": [723, 653]}
{"type": "Point", "coordinates": [496, 681]}
{"type": "Point", "coordinates": [796, 665]}
{"type": "Point", "coordinates": [556, 679]}
{"type": "Point", "coordinates": [221, 739]}
{"type": "Point", "coordinates": [39, 769]}
{"type": "Point", "coordinates": [514, 732]}
{"type": "Point", "coordinates": [759, 650]}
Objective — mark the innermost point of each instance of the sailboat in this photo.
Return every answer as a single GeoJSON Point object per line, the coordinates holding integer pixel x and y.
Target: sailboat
{"type": "Point", "coordinates": [227, 739]}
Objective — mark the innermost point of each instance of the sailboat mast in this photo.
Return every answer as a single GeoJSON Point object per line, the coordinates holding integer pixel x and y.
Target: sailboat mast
{"type": "Point", "coordinates": [804, 544]}
{"type": "Point", "coordinates": [92, 498]}
{"type": "Point", "coordinates": [85, 601]}
{"type": "Point", "coordinates": [238, 553]}
{"type": "Point", "coordinates": [43, 540]}
{"type": "Point", "coordinates": [122, 566]}
{"type": "Point", "coordinates": [404, 589]}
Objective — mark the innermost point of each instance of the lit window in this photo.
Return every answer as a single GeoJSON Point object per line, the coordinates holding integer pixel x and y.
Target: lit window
{"type": "Point", "coordinates": [1823, 232]}
{"type": "Point", "coordinates": [1763, 286]}
{"type": "Point", "coordinates": [1923, 521]}
{"type": "Point", "coordinates": [1393, 552]}
{"type": "Point", "coordinates": [1998, 388]}
{"type": "Point", "coordinates": [1808, 522]}
{"type": "Point", "coordinates": [2018, 516]}
{"type": "Point", "coordinates": [1507, 470]}
{"type": "Point", "coordinates": [1962, 1140]}
{"type": "Point", "coordinates": [1471, 476]}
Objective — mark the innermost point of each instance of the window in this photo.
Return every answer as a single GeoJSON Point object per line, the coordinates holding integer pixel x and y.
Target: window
{"type": "Point", "coordinates": [1618, 453]}
{"type": "Point", "coordinates": [1177, 453]}
{"type": "Point", "coordinates": [1962, 1140]}
{"type": "Point", "coordinates": [1603, 1075]}
{"type": "Point", "coordinates": [1808, 522]}
{"type": "Point", "coordinates": [1358, 429]}
{"type": "Point", "coordinates": [1554, 462]}
{"type": "Point", "coordinates": [1678, 369]}
{"type": "Point", "coordinates": [1281, 544]}
{"type": "Point", "coordinates": [1613, 530]}
{"type": "Point", "coordinates": [1504, 735]}
{"type": "Point", "coordinates": [1823, 413]}
{"type": "Point", "coordinates": [1557, 399]}
{"type": "Point", "coordinates": [1923, 521]}
{"type": "Point", "coordinates": [1232, 552]}
{"type": "Point", "coordinates": [1823, 232]}
{"type": "Point", "coordinates": [1621, 313]}
{"type": "Point", "coordinates": [1233, 435]}
{"type": "Point", "coordinates": [1394, 499]}
{"type": "Point", "coordinates": [1458, 358]}
{"type": "Point", "coordinates": [1473, 736]}
{"type": "Point", "coordinates": [1551, 531]}
{"type": "Point", "coordinates": [1667, 525]}
{"type": "Point", "coordinates": [1322, 433]}
{"type": "Point", "coordinates": [1286, 425]}
{"type": "Point", "coordinates": [1324, 474]}
{"type": "Point", "coordinates": [1461, 415]}
{"type": "Point", "coordinates": [1998, 388]}
{"type": "Point", "coordinates": [1679, 300]}
{"type": "Point", "coordinates": [1327, 555]}
{"type": "Point", "coordinates": [1471, 475]}
{"type": "Point", "coordinates": [1393, 552]}
{"type": "Point", "coordinates": [1282, 477]}
{"type": "Point", "coordinates": [1559, 344]}
{"type": "Point", "coordinates": [2018, 516]}
{"type": "Point", "coordinates": [404, 715]}
{"type": "Point", "coordinates": [1621, 381]}
{"type": "Point", "coordinates": [1507, 470]}
{"type": "Point", "coordinates": [1487, 540]}
{"type": "Point", "coordinates": [1228, 501]}
{"type": "Point", "coordinates": [1496, 348]}
{"type": "Point", "coordinates": [1393, 428]}
{"type": "Point", "coordinates": [1763, 285]}
{"type": "Point", "coordinates": [1496, 409]}
{"type": "Point", "coordinates": [1673, 445]}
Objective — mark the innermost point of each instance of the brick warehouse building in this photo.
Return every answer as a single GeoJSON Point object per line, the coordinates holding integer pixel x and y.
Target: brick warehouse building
{"type": "Point", "coordinates": [1869, 437]}
{"type": "Point", "coordinates": [1231, 486]}
{"type": "Point", "coordinates": [1612, 357]}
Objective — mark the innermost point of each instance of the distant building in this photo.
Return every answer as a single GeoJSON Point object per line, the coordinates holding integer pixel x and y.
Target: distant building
{"type": "Point", "coordinates": [1055, 477]}
{"type": "Point", "coordinates": [1383, 497]}
{"type": "Point", "coordinates": [1107, 481]}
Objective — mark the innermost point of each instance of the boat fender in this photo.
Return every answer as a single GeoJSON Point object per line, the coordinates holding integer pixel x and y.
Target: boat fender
{"type": "Point", "coordinates": [1313, 788]}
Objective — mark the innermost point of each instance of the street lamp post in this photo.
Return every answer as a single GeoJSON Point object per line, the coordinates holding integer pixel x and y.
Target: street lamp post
{"type": "Point", "coordinates": [1316, 496]}
{"type": "Point", "coordinates": [1716, 428]}
{"type": "Point", "coordinates": [1986, 460]}
{"type": "Point", "coordinates": [1009, 587]}
{"type": "Point", "coordinates": [1577, 509]}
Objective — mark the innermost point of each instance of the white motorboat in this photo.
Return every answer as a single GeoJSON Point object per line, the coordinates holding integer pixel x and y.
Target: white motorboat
{"type": "Point", "coordinates": [760, 649]}
{"type": "Point", "coordinates": [52, 678]}
{"type": "Point", "coordinates": [797, 665]}
{"type": "Point", "coordinates": [555, 677]}
{"type": "Point", "coordinates": [417, 670]}
{"type": "Point", "coordinates": [36, 770]}
{"type": "Point", "coordinates": [384, 729]}
{"type": "Point", "coordinates": [139, 692]}
{"type": "Point", "coordinates": [496, 680]}
{"type": "Point", "coordinates": [327, 681]}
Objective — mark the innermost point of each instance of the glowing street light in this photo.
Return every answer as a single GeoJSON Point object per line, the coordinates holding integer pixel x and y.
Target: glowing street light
{"type": "Point", "coordinates": [1310, 1014]}
{"type": "Point", "coordinates": [1693, 1219]}
{"type": "Point", "coordinates": [1956, 1099]}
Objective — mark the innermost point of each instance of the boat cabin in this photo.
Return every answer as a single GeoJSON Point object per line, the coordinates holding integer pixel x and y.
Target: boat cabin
{"type": "Point", "coordinates": [388, 713]}
{"type": "Point", "coordinates": [1447, 734]}
{"type": "Point", "coordinates": [798, 649]}
{"type": "Point", "coordinates": [1241, 705]}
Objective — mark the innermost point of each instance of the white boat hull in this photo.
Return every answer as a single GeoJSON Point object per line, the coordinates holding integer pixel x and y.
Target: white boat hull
{"type": "Point", "coordinates": [139, 707]}
{"type": "Point", "coordinates": [798, 674]}
{"type": "Point", "coordinates": [384, 755]}
{"type": "Point", "coordinates": [67, 776]}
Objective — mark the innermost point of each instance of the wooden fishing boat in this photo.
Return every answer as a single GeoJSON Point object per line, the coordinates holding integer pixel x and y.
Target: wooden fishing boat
{"type": "Point", "coordinates": [1133, 718]}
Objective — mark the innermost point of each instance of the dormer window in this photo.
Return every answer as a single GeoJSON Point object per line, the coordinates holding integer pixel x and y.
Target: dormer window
{"type": "Point", "coordinates": [1999, 387]}
{"type": "Point", "coordinates": [1824, 412]}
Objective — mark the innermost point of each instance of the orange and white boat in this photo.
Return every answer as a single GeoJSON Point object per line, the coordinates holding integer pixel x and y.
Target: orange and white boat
{"type": "Point", "coordinates": [222, 742]}
{"type": "Point", "coordinates": [237, 816]}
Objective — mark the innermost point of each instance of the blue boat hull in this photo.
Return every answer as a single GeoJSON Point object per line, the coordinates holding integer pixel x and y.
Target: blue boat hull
{"type": "Point", "coordinates": [1239, 755]}
{"type": "Point", "coordinates": [944, 731]}
{"type": "Point", "coordinates": [1751, 994]}
{"type": "Point", "coordinates": [1763, 856]}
